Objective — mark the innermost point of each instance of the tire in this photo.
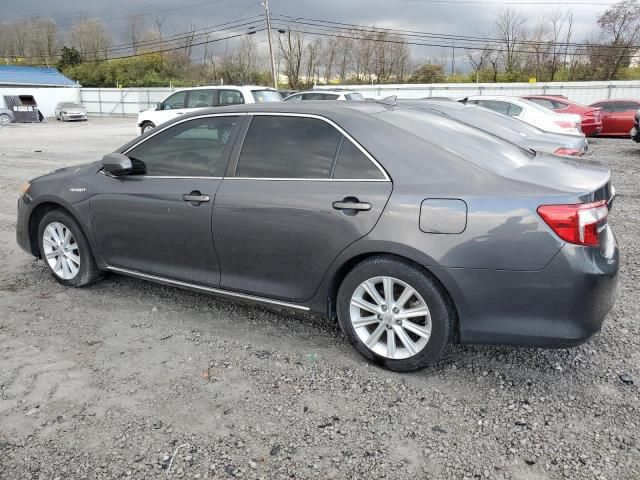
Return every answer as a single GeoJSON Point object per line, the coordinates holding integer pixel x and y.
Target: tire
{"type": "Point", "coordinates": [146, 126]}
{"type": "Point", "coordinates": [427, 336]}
{"type": "Point", "coordinates": [74, 275]}
{"type": "Point", "coordinates": [5, 119]}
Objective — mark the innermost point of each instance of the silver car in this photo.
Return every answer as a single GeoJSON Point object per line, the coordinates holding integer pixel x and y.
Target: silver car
{"type": "Point", "coordinates": [67, 111]}
{"type": "Point", "coordinates": [6, 117]}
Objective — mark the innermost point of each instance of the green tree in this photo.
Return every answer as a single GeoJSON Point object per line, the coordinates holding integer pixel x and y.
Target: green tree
{"type": "Point", "coordinates": [69, 57]}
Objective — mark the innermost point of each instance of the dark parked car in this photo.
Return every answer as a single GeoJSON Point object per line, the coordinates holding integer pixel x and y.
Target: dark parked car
{"type": "Point", "coordinates": [411, 229]}
{"type": "Point", "coordinates": [635, 131]}
{"type": "Point", "coordinates": [511, 129]}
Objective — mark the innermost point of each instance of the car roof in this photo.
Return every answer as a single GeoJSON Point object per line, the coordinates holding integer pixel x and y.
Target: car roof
{"type": "Point", "coordinates": [324, 90]}
{"type": "Point", "coordinates": [614, 100]}
{"type": "Point", "coordinates": [225, 87]}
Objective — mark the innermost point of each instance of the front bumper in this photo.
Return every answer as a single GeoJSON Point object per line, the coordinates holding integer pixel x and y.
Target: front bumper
{"type": "Point", "coordinates": [560, 306]}
{"type": "Point", "coordinates": [22, 226]}
{"type": "Point", "coordinates": [73, 116]}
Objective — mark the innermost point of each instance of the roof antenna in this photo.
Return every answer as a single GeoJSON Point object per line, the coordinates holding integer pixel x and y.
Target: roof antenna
{"type": "Point", "coordinates": [391, 100]}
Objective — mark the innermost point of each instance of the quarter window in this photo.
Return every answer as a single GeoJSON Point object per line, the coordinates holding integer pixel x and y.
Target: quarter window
{"type": "Point", "coordinates": [288, 147]}
{"type": "Point", "coordinates": [195, 148]}
{"type": "Point", "coordinates": [353, 164]}
{"type": "Point", "coordinates": [514, 110]}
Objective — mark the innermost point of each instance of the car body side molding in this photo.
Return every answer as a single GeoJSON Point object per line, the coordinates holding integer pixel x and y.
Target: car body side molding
{"type": "Point", "coordinates": [194, 286]}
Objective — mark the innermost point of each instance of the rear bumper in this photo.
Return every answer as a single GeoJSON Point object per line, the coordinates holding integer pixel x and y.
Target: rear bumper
{"type": "Point", "coordinates": [591, 129]}
{"type": "Point", "coordinates": [563, 305]}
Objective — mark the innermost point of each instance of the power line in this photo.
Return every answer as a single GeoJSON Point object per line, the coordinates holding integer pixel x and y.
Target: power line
{"type": "Point", "coordinates": [351, 27]}
{"type": "Point", "coordinates": [330, 33]}
{"type": "Point", "coordinates": [250, 24]}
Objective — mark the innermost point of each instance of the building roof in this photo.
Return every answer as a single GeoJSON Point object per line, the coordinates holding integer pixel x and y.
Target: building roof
{"type": "Point", "coordinates": [33, 76]}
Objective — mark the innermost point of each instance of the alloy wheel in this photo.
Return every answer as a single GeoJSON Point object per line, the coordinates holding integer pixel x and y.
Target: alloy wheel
{"type": "Point", "coordinates": [390, 317]}
{"type": "Point", "coordinates": [61, 250]}
{"type": "Point", "coordinates": [5, 120]}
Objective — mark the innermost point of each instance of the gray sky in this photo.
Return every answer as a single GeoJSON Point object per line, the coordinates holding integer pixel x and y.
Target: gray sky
{"type": "Point", "coordinates": [457, 17]}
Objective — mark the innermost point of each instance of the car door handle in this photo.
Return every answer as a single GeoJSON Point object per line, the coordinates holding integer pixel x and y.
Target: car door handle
{"type": "Point", "coordinates": [195, 197]}
{"type": "Point", "coordinates": [351, 205]}
{"type": "Point", "coordinates": [179, 113]}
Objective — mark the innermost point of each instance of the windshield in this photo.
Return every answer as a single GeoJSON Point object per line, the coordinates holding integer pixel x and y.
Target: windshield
{"type": "Point", "coordinates": [70, 105]}
{"type": "Point", "coordinates": [471, 144]}
{"type": "Point", "coordinates": [264, 96]}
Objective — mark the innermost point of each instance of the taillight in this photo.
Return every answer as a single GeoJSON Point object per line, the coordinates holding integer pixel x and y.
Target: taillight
{"type": "Point", "coordinates": [566, 124]}
{"type": "Point", "coordinates": [579, 224]}
{"type": "Point", "coordinates": [572, 152]}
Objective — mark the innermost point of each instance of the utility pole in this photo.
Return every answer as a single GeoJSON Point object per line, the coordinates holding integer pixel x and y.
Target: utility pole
{"type": "Point", "coordinates": [453, 59]}
{"type": "Point", "coordinates": [265, 4]}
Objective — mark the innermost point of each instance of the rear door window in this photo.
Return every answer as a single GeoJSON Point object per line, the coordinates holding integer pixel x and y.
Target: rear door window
{"type": "Point", "coordinates": [288, 147]}
{"type": "Point", "coordinates": [626, 107]}
{"type": "Point", "coordinates": [195, 148]}
{"type": "Point", "coordinates": [201, 98]}
{"type": "Point", "coordinates": [495, 105]}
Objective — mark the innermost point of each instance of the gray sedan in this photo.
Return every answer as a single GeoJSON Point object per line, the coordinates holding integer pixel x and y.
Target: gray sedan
{"type": "Point", "coordinates": [511, 129]}
{"type": "Point", "coordinates": [68, 111]}
{"type": "Point", "coordinates": [412, 230]}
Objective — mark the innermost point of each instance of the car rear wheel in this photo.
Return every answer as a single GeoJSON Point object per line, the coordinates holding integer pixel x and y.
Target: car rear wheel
{"type": "Point", "coordinates": [146, 126]}
{"type": "Point", "coordinates": [5, 119]}
{"type": "Point", "coordinates": [65, 250]}
{"type": "Point", "coordinates": [395, 314]}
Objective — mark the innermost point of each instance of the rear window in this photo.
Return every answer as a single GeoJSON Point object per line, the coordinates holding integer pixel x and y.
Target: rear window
{"type": "Point", "coordinates": [264, 96]}
{"type": "Point", "coordinates": [483, 149]}
{"type": "Point", "coordinates": [353, 96]}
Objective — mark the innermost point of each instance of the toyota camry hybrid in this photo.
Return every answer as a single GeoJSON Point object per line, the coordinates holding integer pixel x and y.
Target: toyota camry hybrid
{"type": "Point", "coordinates": [410, 228]}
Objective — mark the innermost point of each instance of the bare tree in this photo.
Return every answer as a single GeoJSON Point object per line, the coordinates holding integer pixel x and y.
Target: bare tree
{"type": "Point", "coordinates": [158, 23]}
{"type": "Point", "coordinates": [479, 59]}
{"type": "Point", "coordinates": [312, 59]}
{"type": "Point", "coordinates": [328, 58]}
{"type": "Point", "coordinates": [510, 29]}
{"type": "Point", "coordinates": [291, 50]}
{"type": "Point", "coordinates": [91, 39]}
{"type": "Point", "coordinates": [135, 27]}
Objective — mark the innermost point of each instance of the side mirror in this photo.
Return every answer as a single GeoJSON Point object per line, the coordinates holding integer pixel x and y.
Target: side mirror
{"type": "Point", "coordinates": [116, 164]}
{"type": "Point", "coordinates": [158, 106]}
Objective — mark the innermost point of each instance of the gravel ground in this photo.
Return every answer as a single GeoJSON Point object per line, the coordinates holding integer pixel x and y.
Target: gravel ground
{"type": "Point", "coordinates": [110, 381]}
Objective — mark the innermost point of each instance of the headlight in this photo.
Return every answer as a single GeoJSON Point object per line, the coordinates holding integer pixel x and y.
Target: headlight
{"type": "Point", "coordinates": [64, 112]}
{"type": "Point", "coordinates": [24, 189]}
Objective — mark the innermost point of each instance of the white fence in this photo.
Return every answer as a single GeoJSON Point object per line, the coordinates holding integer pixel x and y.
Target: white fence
{"type": "Point", "coordinates": [130, 101]}
{"type": "Point", "coordinates": [580, 92]}
{"type": "Point", "coordinates": [123, 102]}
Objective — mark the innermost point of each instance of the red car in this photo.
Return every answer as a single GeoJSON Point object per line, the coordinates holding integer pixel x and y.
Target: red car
{"type": "Point", "coordinates": [617, 116]}
{"type": "Point", "coordinates": [591, 121]}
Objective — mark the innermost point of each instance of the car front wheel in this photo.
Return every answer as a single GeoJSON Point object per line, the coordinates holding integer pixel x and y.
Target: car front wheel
{"type": "Point", "coordinates": [146, 126]}
{"type": "Point", "coordinates": [65, 250]}
{"type": "Point", "coordinates": [5, 119]}
{"type": "Point", "coordinates": [395, 314]}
